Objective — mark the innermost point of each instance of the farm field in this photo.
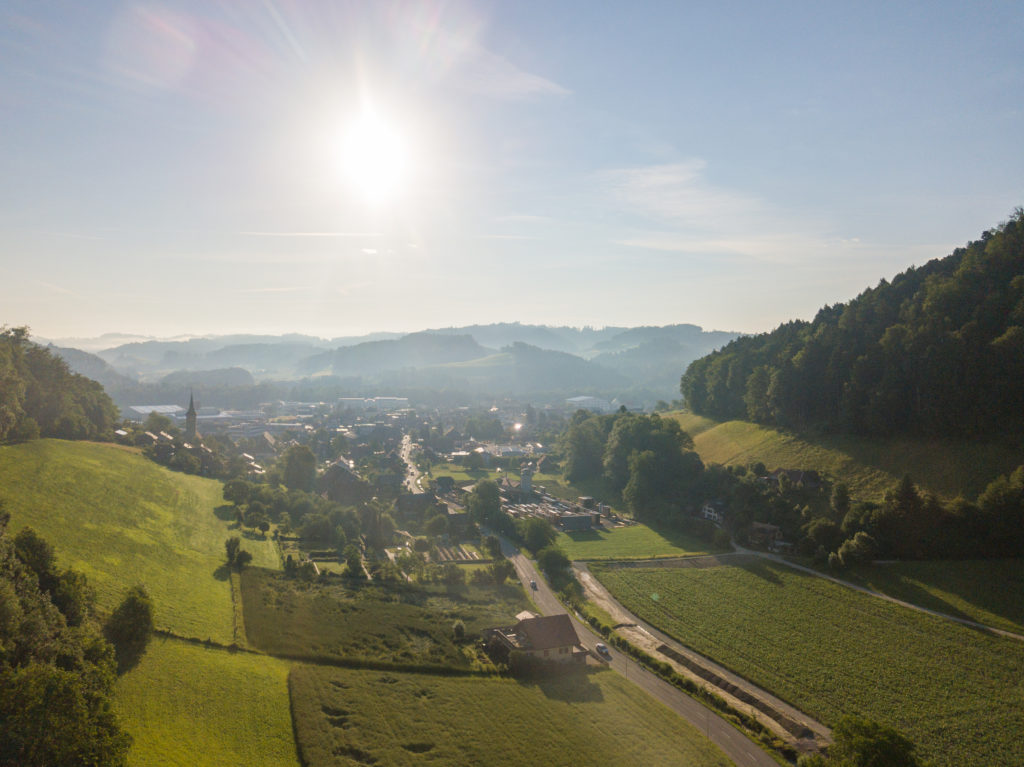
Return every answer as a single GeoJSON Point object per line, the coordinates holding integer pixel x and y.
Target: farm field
{"type": "Point", "coordinates": [185, 704]}
{"type": "Point", "coordinates": [869, 467]}
{"type": "Point", "coordinates": [632, 542]}
{"type": "Point", "coordinates": [987, 591]}
{"type": "Point", "coordinates": [393, 623]}
{"type": "Point", "coordinates": [956, 692]}
{"type": "Point", "coordinates": [121, 519]}
{"type": "Point", "coordinates": [353, 717]}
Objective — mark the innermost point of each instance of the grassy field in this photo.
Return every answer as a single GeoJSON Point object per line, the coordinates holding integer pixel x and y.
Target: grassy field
{"type": "Point", "coordinates": [956, 692]}
{"type": "Point", "coordinates": [633, 542]}
{"type": "Point", "coordinates": [394, 623]}
{"type": "Point", "coordinates": [347, 717]}
{"type": "Point", "coordinates": [186, 705]}
{"type": "Point", "coordinates": [988, 591]}
{"type": "Point", "coordinates": [869, 466]}
{"type": "Point", "coordinates": [121, 519]}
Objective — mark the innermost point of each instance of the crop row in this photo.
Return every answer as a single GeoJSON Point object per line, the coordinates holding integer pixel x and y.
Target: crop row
{"type": "Point", "coordinates": [831, 651]}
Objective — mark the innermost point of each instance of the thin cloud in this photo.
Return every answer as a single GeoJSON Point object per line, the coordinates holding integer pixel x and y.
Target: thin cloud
{"type": "Point", "coordinates": [311, 234]}
{"type": "Point", "coordinates": [694, 216]}
{"type": "Point", "coordinates": [56, 288]}
{"type": "Point", "coordinates": [296, 289]}
{"type": "Point", "coordinates": [456, 55]}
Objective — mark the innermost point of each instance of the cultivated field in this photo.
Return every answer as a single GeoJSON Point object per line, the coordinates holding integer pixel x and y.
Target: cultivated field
{"type": "Point", "coordinates": [631, 542]}
{"type": "Point", "coordinates": [869, 466]}
{"type": "Point", "coordinates": [989, 591]}
{"type": "Point", "coordinates": [349, 717]}
{"type": "Point", "coordinates": [121, 519]}
{"type": "Point", "coordinates": [393, 623]}
{"type": "Point", "coordinates": [186, 705]}
{"type": "Point", "coordinates": [828, 650]}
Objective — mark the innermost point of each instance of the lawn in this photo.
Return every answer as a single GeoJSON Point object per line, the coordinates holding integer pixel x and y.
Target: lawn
{"type": "Point", "coordinates": [632, 542]}
{"type": "Point", "coordinates": [869, 466]}
{"type": "Point", "coordinates": [393, 623]}
{"type": "Point", "coordinates": [349, 717]}
{"type": "Point", "coordinates": [988, 591]}
{"type": "Point", "coordinates": [186, 705]}
{"type": "Point", "coordinates": [954, 691]}
{"type": "Point", "coordinates": [121, 519]}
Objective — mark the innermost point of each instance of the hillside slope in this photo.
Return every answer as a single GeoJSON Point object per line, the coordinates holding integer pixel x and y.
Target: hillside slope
{"type": "Point", "coordinates": [869, 466]}
{"type": "Point", "coordinates": [121, 520]}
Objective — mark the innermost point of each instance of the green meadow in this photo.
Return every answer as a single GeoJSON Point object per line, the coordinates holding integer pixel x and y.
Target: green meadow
{"type": "Point", "coordinates": [632, 542]}
{"type": "Point", "coordinates": [356, 717]}
{"type": "Point", "coordinates": [186, 704]}
{"type": "Point", "coordinates": [828, 650]}
{"type": "Point", "coordinates": [121, 519]}
{"type": "Point", "coordinates": [870, 467]}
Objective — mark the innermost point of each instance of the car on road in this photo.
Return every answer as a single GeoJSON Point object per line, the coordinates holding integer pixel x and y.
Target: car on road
{"type": "Point", "coordinates": [602, 649]}
{"type": "Point", "coordinates": [533, 585]}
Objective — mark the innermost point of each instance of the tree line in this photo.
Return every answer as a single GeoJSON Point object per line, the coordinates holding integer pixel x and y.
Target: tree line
{"type": "Point", "coordinates": [58, 662]}
{"type": "Point", "coordinates": [41, 397]}
{"type": "Point", "coordinates": [938, 351]}
{"type": "Point", "coordinates": [646, 461]}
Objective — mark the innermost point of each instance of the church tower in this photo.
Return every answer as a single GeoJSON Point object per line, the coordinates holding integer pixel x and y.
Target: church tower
{"type": "Point", "coordinates": [190, 419]}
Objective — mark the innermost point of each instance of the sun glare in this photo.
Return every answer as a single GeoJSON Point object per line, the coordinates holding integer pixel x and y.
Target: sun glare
{"type": "Point", "coordinates": [375, 158]}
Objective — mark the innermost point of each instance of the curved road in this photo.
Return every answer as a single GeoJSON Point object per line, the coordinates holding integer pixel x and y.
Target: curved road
{"type": "Point", "coordinates": [737, 746]}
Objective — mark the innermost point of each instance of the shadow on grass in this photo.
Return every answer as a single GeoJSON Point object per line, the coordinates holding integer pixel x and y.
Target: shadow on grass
{"type": "Point", "coordinates": [570, 687]}
{"type": "Point", "coordinates": [222, 573]}
{"type": "Point", "coordinates": [761, 568]}
{"type": "Point", "coordinates": [225, 512]}
{"type": "Point", "coordinates": [585, 536]}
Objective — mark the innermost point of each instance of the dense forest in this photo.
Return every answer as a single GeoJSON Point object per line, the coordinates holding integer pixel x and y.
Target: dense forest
{"type": "Point", "coordinates": [938, 351]}
{"type": "Point", "coordinates": [41, 397]}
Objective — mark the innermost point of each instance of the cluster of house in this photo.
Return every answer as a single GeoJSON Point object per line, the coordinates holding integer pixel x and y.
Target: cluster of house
{"type": "Point", "coordinates": [763, 534]}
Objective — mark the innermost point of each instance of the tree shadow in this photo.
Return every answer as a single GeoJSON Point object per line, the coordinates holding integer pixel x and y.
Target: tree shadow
{"type": "Point", "coordinates": [225, 512]}
{"type": "Point", "coordinates": [222, 573]}
{"type": "Point", "coordinates": [759, 567]}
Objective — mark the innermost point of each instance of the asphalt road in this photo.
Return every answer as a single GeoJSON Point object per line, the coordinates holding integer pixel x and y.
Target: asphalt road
{"type": "Point", "coordinates": [737, 746]}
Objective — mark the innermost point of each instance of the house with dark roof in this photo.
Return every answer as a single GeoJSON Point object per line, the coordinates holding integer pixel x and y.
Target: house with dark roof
{"type": "Point", "coordinates": [547, 637]}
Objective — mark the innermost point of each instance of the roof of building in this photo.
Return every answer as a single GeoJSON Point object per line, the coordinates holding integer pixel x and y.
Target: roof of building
{"type": "Point", "coordinates": [547, 632]}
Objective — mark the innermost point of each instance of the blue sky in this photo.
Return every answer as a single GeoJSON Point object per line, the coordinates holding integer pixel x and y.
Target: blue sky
{"type": "Point", "coordinates": [171, 168]}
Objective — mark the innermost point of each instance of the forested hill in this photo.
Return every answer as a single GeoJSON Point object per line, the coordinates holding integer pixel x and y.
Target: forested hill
{"type": "Point", "coordinates": [938, 351]}
{"type": "Point", "coordinates": [40, 396]}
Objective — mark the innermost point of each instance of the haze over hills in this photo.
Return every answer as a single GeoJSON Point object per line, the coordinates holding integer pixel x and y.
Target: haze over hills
{"type": "Point", "coordinates": [642, 364]}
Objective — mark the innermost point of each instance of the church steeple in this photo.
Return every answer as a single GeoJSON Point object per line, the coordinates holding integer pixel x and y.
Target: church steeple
{"type": "Point", "coordinates": [190, 418]}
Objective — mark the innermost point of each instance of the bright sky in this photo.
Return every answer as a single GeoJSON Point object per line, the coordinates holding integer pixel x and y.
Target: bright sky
{"type": "Point", "coordinates": [343, 167]}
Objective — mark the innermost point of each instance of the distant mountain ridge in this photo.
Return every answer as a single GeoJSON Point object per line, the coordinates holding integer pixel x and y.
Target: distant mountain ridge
{"type": "Point", "coordinates": [508, 359]}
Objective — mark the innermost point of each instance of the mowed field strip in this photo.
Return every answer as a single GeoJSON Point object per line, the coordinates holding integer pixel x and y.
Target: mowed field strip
{"type": "Point", "coordinates": [631, 542]}
{"type": "Point", "coordinates": [120, 519]}
{"type": "Point", "coordinates": [828, 650]}
{"type": "Point", "coordinates": [349, 717]}
{"type": "Point", "coordinates": [186, 704]}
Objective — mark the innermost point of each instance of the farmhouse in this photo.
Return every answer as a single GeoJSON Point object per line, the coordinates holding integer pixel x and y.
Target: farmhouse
{"type": "Point", "coordinates": [549, 637]}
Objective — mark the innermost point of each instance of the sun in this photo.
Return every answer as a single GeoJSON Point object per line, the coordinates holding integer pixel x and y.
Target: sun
{"type": "Point", "coordinates": [375, 158]}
